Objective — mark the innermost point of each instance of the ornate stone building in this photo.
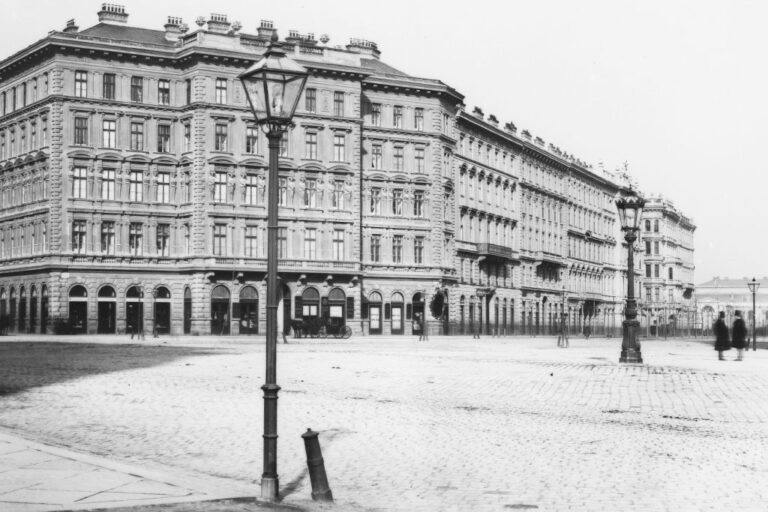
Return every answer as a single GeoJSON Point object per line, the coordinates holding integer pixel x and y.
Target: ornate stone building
{"type": "Point", "coordinates": [730, 295]}
{"type": "Point", "coordinates": [667, 289]}
{"type": "Point", "coordinates": [134, 182]}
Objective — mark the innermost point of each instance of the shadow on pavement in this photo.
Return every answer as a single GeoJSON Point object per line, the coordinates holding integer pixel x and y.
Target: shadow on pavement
{"type": "Point", "coordinates": [228, 505]}
{"type": "Point", "coordinates": [37, 364]}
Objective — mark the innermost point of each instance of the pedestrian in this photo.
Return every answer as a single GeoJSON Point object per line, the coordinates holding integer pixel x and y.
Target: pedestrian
{"type": "Point", "coordinates": [424, 327]}
{"type": "Point", "coordinates": [739, 336]}
{"type": "Point", "coordinates": [562, 339]}
{"type": "Point", "coordinates": [722, 343]}
{"type": "Point", "coordinates": [587, 331]}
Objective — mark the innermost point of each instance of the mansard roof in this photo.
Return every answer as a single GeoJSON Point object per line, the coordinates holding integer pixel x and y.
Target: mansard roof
{"type": "Point", "coordinates": [128, 33]}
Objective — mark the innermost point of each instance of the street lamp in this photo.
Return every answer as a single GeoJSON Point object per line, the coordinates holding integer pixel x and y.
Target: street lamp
{"type": "Point", "coordinates": [630, 207]}
{"type": "Point", "coordinates": [273, 87]}
{"type": "Point", "coordinates": [753, 286]}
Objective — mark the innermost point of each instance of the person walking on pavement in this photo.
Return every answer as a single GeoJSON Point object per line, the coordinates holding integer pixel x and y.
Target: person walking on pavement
{"type": "Point", "coordinates": [562, 339]}
{"type": "Point", "coordinates": [587, 331]}
{"type": "Point", "coordinates": [722, 343]}
{"type": "Point", "coordinates": [739, 336]}
{"type": "Point", "coordinates": [420, 324]}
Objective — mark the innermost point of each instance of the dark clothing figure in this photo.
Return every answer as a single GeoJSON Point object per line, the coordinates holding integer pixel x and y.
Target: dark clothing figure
{"type": "Point", "coordinates": [587, 331]}
{"type": "Point", "coordinates": [721, 336]}
{"type": "Point", "coordinates": [739, 333]}
{"type": "Point", "coordinates": [739, 336]}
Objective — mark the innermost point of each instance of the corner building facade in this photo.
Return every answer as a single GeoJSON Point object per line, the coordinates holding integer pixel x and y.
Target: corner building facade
{"type": "Point", "coordinates": [134, 195]}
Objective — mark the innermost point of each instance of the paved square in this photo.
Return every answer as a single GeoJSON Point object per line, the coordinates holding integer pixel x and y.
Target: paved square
{"type": "Point", "coordinates": [448, 424]}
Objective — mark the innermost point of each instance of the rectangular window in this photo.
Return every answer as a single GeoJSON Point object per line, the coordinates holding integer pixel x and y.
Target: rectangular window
{"type": "Point", "coordinates": [375, 248]}
{"type": "Point", "coordinates": [397, 201]}
{"type": "Point", "coordinates": [284, 144]}
{"type": "Point", "coordinates": [136, 186]}
{"type": "Point", "coordinates": [33, 135]}
{"type": "Point", "coordinates": [647, 247]}
{"type": "Point", "coordinates": [189, 91]}
{"type": "Point", "coordinates": [655, 247]}
{"type": "Point", "coordinates": [282, 191]}
{"type": "Point", "coordinates": [282, 242]}
{"type": "Point", "coordinates": [397, 116]}
{"type": "Point", "coordinates": [81, 85]}
{"type": "Point", "coordinates": [376, 114]}
{"type": "Point", "coordinates": [310, 241]}
{"type": "Point", "coordinates": [220, 240]}
{"type": "Point", "coordinates": [310, 100]}
{"type": "Point", "coordinates": [187, 137]}
{"type": "Point", "coordinates": [311, 145]}
{"type": "Point", "coordinates": [446, 123]}
{"type": "Point", "coordinates": [376, 201]}
{"type": "Point", "coordinates": [418, 203]}
{"type": "Point", "coordinates": [108, 237]}
{"type": "Point", "coordinates": [337, 200]}
{"type": "Point", "coordinates": [24, 95]}
{"type": "Point", "coordinates": [655, 271]}
{"type": "Point", "coordinates": [79, 182]}
{"type": "Point", "coordinates": [418, 119]}
{"type": "Point", "coordinates": [221, 91]}
{"type": "Point", "coordinates": [164, 187]}
{"type": "Point", "coordinates": [338, 103]}
{"type": "Point", "coordinates": [251, 189]}
{"type": "Point", "coordinates": [656, 294]}
{"type": "Point", "coordinates": [78, 236]}
{"type": "Point", "coordinates": [137, 136]}
{"type": "Point", "coordinates": [163, 138]}
{"type": "Point", "coordinates": [220, 187]}
{"type": "Point", "coordinates": [81, 131]}
{"type": "Point", "coordinates": [418, 250]}
{"type": "Point", "coordinates": [419, 154]}
{"type": "Point", "coordinates": [163, 239]}
{"type": "Point", "coordinates": [164, 92]}
{"type": "Point", "coordinates": [310, 193]}
{"type": "Point", "coordinates": [338, 244]}
{"type": "Point", "coordinates": [376, 156]}
{"type": "Point", "coordinates": [108, 184]}
{"type": "Point", "coordinates": [220, 142]}
{"type": "Point", "coordinates": [397, 249]}
{"type": "Point", "coordinates": [137, 89]}
{"type": "Point", "coordinates": [108, 86]}
{"type": "Point", "coordinates": [398, 158]}
{"type": "Point", "coordinates": [339, 148]}
{"type": "Point", "coordinates": [250, 241]}
{"type": "Point", "coordinates": [109, 133]}
{"type": "Point", "coordinates": [251, 140]}
{"type": "Point", "coordinates": [647, 271]}
{"type": "Point", "coordinates": [136, 238]}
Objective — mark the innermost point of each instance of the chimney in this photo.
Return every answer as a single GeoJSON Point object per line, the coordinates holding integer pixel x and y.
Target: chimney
{"type": "Point", "coordinates": [364, 46]}
{"type": "Point", "coordinates": [265, 30]}
{"type": "Point", "coordinates": [173, 29]}
{"type": "Point", "coordinates": [218, 24]}
{"type": "Point", "coordinates": [113, 13]}
{"type": "Point", "coordinates": [71, 28]}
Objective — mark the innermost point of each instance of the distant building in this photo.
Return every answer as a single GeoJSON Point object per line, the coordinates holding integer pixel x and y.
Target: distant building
{"type": "Point", "coordinates": [730, 295]}
{"type": "Point", "coordinates": [133, 180]}
{"type": "Point", "coordinates": [667, 294]}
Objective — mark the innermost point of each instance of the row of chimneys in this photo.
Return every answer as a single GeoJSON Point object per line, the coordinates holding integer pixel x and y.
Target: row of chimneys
{"type": "Point", "coordinates": [511, 128]}
{"type": "Point", "coordinates": [218, 23]}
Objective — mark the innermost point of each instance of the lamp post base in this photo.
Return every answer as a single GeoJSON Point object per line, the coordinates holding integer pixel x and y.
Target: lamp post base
{"type": "Point", "coordinates": [269, 488]}
{"type": "Point", "coordinates": [630, 347]}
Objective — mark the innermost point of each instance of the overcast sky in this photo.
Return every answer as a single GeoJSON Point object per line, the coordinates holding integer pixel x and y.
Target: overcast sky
{"type": "Point", "coordinates": [675, 88]}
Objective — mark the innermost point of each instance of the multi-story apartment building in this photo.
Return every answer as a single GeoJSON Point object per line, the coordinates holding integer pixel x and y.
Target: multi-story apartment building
{"type": "Point", "coordinates": [134, 194]}
{"type": "Point", "coordinates": [667, 289]}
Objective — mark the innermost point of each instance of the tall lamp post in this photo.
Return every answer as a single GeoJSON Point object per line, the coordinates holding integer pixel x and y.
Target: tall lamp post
{"type": "Point", "coordinates": [630, 207]}
{"type": "Point", "coordinates": [753, 286]}
{"type": "Point", "coordinates": [273, 87]}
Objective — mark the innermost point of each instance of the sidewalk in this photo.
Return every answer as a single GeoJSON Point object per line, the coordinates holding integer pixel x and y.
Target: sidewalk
{"type": "Point", "coordinates": [35, 477]}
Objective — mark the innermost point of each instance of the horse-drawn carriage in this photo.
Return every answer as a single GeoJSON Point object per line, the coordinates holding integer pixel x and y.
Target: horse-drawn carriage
{"type": "Point", "coordinates": [317, 327]}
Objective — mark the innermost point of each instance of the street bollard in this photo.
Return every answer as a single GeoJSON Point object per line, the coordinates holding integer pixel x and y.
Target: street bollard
{"type": "Point", "coordinates": [320, 489]}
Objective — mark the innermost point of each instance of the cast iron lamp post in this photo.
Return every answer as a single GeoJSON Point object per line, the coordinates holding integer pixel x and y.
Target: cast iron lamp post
{"type": "Point", "coordinates": [753, 286]}
{"type": "Point", "coordinates": [273, 87]}
{"type": "Point", "coordinates": [630, 207]}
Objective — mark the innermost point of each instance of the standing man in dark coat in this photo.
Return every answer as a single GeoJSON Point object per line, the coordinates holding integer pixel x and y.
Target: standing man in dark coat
{"type": "Point", "coordinates": [722, 342]}
{"type": "Point", "coordinates": [739, 336]}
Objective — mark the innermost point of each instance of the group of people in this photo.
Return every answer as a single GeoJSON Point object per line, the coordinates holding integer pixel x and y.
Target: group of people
{"type": "Point", "coordinates": [738, 338]}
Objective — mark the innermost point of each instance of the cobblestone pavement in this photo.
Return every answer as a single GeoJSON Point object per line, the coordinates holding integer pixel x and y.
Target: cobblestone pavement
{"type": "Point", "coordinates": [448, 424]}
